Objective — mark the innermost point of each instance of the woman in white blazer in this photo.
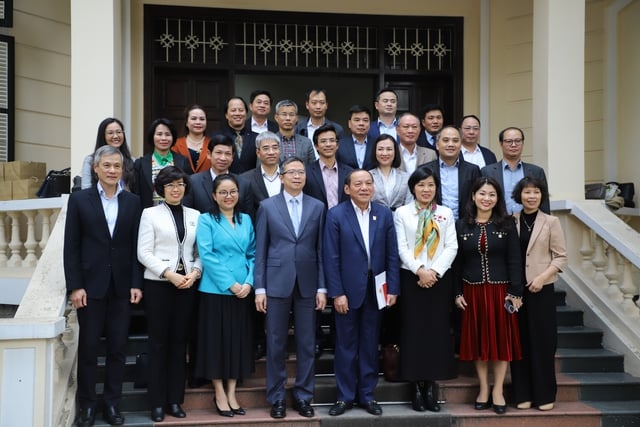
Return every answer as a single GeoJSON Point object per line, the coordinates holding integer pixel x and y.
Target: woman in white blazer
{"type": "Point", "coordinates": [389, 183]}
{"type": "Point", "coordinates": [167, 249]}
{"type": "Point", "coordinates": [544, 254]}
{"type": "Point", "coordinates": [427, 245]}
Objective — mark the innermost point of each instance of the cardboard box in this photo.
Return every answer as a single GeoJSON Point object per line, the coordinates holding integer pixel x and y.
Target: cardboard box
{"type": "Point", "coordinates": [1, 171]}
{"type": "Point", "coordinates": [18, 170]}
{"type": "Point", "coordinates": [6, 191]}
{"type": "Point", "coordinates": [25, 188]}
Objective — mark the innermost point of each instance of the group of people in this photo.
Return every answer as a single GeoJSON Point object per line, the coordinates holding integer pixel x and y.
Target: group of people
{"type": "Point", "coordinates": [226, 234]}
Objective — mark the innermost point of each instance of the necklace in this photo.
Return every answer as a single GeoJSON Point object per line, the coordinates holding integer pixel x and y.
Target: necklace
{"type": "Point", "coordinates": [195, 145]}
{"type": "Point", "coordinates": [529, 227]}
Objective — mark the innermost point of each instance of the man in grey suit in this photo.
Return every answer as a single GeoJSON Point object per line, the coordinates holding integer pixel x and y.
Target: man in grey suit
{"type": "Point", "coordinates": [512, 169]}
{"type": "Point", "coordinates": [291, 143]}
{"type": "Point", "coordinates": [412, 155]}
{"type": "Point", "coordinates": [288, 272]}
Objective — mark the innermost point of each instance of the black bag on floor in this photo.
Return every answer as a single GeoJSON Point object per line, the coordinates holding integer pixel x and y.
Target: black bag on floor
{"type": "Point", "coordinates": [56, 183]}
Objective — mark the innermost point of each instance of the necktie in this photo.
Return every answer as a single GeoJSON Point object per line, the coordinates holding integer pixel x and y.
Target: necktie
{"type": "Point", "coordinates": [295, 215]}
{"type": "Point", "coordinates": [238, 143]}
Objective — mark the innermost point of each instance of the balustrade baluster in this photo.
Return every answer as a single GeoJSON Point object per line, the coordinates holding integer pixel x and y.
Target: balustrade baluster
{"type": "Point", "coordinates": [586, 250]}
{"type": "Point", "coordinates": [629, 290]}
{"type": "Point", "coordinates": [599, 261]}
{"type": "Point", "coordinates": [15, 244]}
{"type": "Point", "coordinates": [612, 274]}
{"type": "Point", "coordinates": [3, 241]}
{"type": "Point", "coordinates": [30, 260]}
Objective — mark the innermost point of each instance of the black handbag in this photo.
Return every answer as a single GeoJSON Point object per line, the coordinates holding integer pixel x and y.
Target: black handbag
{"type": "Point", "coordinates": [56, 183]}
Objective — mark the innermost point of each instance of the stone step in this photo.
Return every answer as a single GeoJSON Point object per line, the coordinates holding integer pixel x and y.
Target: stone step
{"type": "Point", "coordinates": [579, 337]}
{"type": "Point", "coordinates": [568, 316]}
{"type": "Point", "coordinates": [588, 360]}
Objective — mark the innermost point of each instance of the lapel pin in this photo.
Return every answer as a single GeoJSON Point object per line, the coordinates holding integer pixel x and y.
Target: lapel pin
{"type": "Point", "coordinates": [375, 217]}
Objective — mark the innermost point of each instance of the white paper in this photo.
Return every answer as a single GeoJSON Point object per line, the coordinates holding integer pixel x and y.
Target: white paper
{"type": "Point", "coordinates": [381, 289]}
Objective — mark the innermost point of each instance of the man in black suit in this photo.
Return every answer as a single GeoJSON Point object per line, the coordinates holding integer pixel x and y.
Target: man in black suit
{"type": "Point", "coordinates": [103, 278]}
{"type": "Point", "coordinates": [236, 128]}
{"type": "Point", "coordinates": [432, 120]}
{"type": "Point", "coordinates": [317, 106]}
{"type": "Point", "coordinates": [512, 169]}
{"type": "Point", "coordinates": [260, 102]}
{"type": "Point", "coordinates": [355, 150]}
{"type": "Point", "coordinates": [455, 174]}
{"type": "Point", "coordinates": [386, 105]}
{"type": "Point", "coordinates": [472, 151]}
{"type": "Point", "coordinates": [221, 153]}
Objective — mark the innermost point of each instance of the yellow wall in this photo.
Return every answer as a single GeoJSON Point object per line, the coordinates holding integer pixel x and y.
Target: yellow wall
{"type": "Point", "coordinates": [594, 91]}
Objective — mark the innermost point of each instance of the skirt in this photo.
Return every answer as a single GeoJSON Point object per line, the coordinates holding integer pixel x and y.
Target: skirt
{"type": "Point", "coordinates": [488, 332]}
{"type": "Point", "coordinates": [224, 337]}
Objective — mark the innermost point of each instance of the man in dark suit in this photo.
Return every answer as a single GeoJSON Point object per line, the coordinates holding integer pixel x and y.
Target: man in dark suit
{"type": "Point", "coordinates": [236, 128]}
{"type": "Point", "coordinates": [220, 152]}
{"type": "Point", "coordinates": [359, 244]}
{"type": "Point", "coordinates": [512, 169]}
{"type": "Point", "coordinates": [289, 273]}
{"type": "Point", "coordinates": [260, 102]}
{"type": "Point", "coordinates": [291, 143]}
{"type": "Point", "coordinates": [355, 150]}
{"type": "Point", "coordinates": [472, 151]}
{"type": "Point", "coordinates": [432, 120]}
{"type": "Point", "coordinates": [317, 106]}
{"type": "Point", "coordinates": [103, 278]}
{"type": "Point", "coordinates": [386, 104]}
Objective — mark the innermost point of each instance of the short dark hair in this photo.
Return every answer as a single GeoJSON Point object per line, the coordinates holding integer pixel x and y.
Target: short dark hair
{"type": "Point", "coordinates": [215, 208]}
{"type": "Point", "coordinates": [259, 92]}
{"type": "Point", "coordinates": [383, 90]}
{"type": "Point", "coordinates": [187, 112]}
{"type": "Point", "coordinates": [397, 160]}
{"type": "Point", "coordinates": [347, 179]}
{"type": "Point", "coordinates": [530, 181]}
{"type": "Point", "coordinates": [169, 174]}
{"type": "Point", "coordinates": [418, 175]}
{"type": "Point", "coordinates": [499, 215]}
{"type": "Point", "coordinates": [152, 130]}
{"type": "Point", "coordinates": [470, 116]}
{"type": "Point", "coordinates": [226, 104]}
{"type": "Point", "coordinates": [221, 139]}
{"type": "Point", "coordinates": [359, 109]}
{"type": "Point", "coordinates": [317, 90]}
{"type": "Point", "coordinates": [430, 107]}
{"type": "Point", "coordinates": [501, 134]}
{"type": "Point", "coordinates": [327, 127]}
{"type": "Point", "coordinates": [288, 160]}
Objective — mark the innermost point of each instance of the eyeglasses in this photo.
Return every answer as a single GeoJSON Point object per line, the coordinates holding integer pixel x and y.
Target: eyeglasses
{"type": "Point", "coordinates": [114, 132]}
{"type": "Point", "coordinates": [515, 141]}
{"type": "Point", "coordinates": [294, 172]}
{"type": "Point", "coordinates": [225, 193]}
{"type": "Point", "coordinates": [174, 185]}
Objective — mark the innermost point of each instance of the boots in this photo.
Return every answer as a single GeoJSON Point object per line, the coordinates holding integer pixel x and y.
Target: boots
{"type": "Point", "coordinates": [417, 401]}
{"type": "Point", "coordinates": [430, 394]}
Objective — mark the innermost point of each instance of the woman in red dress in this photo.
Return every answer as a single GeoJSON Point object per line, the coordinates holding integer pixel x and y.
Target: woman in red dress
{"type": "Point", "coordinates": [490, 282]}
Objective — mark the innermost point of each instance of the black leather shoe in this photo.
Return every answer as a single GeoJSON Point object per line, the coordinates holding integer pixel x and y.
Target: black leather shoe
{"type": "Point", "coordinates": [431, 398]}
{"type": "Point", "coordinates": [340, 408]}
{"type": "Point", "coordinates": [86, 417]}
{"type": "Point", "coordinates": [157, 414]}
{"type": "Point", "coordinates": [175, 410]}
{"type": "Point", "coordinates": [417, 401]}
{"type": "Point", "coordinates": [113, 416]}
{"type": "Point", "coordinates": [238, 411]}
{"type": "Point", "coordinates": [279, 409]}
{"type": "Point", "coordinates": [373, 407]}
{"type": "Point", "coordinates": [499, 409]}
{"type": "Point", "coordinates": [304, 408]}
{"type": "Point", "coordinates": [481, 406]}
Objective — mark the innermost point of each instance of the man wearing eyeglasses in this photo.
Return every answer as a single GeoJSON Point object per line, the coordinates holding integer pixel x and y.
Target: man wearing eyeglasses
{"type": "Point", "coordinates": [512, 169]}
{"type": "Point", "coordinates": [471, 150]}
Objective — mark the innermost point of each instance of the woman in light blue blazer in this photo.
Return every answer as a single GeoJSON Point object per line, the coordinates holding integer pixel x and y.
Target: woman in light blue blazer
{"type": "Point", "coordinates": [226, 243]}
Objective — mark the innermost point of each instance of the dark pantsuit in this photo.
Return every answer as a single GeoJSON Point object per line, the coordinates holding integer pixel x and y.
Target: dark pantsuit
{"type": "Point", "coordinates": [356, 352]}
{"type": "Point", "coordinates": [111, 316]}
{"type": "Point", "coordinates": [169, 313]}
{"type": "Point", "coordinates": [277, 326]}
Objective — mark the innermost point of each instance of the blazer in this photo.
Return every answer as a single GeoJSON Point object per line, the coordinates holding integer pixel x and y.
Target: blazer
{"type": "Point", "coordinates": [501, 263]}
{"type": "Point", "coordinates": [406, 223]}
{"type": "Point", "coordinates": [282, 258]}
{"type": "Point", "coordinates": [346, 264]}
{"type": "Point", "coordinates": [304, 148]}
{"type": "Point", "coordinates": [182, 148]}
{"type": "Point", "coordinates": [374, 130]}
{"type": "Point", "coordinates": [92, 258]}
{"type": "Point", "coordinates": [256, 185]}
{"type": "Point", "coordinates": [546, 246]}
{"type": "Point", "coordinates": [314, 186]}
{"type": "Point", "coordinates": [227, 253]}
{"type": "Point", "coordinates": [347, 153]}
{"type": "Point", "coordinates": [158, 245]}
{"type": "Point", "coordinates": [271, 125]}
{"type": "Point", "coordinates": [423, 142]}
{"type": "Point", "coordinates": [301, 126]}
{"type": "Point", "coordinates": [248, 158]}
{"type": "Point", "coordinates": [424, 155]}
{"type": "Point", "coordinates": [467, 174]}
{"type": "Point", "coordinates": [200, 195]}
{"type": "Point", "coordinates": [143, 182]}
{"type": "Point", "coordinates": [400, 194]}
{"type": "Point", "coordinates": [495, 171]}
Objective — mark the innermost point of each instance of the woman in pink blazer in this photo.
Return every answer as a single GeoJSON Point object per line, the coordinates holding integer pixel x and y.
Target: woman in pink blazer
{"type": "Point", "coordinates": [544, 254]}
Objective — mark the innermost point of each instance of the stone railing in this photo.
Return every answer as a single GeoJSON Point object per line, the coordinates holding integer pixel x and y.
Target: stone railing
{"type": "Point", "coordinates": [38, 346]}
{"type": "Point", "coordinates": [603, 272]}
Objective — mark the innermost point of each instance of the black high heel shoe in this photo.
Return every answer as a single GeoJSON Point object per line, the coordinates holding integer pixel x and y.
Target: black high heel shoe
{"type": "Point", "coordinates": [222, 413]}
{"type": "Point", "coordinates": [238, 411]}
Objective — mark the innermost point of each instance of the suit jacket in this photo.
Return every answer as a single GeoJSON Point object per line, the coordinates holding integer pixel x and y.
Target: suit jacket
{"type": "Point", "coordinates": [346, 264]}
{"type": "Point", "coordinates": [282, 258]}
{"type": "Point", "coordinates": [158, 245]}
{"type": "Point", "coordinates": [248, 158]}
{"type": "Point", "coordinates": [92, 257]}
{"type": "Point", "coordinates": [347, 153]}
{"type": "Point", "coordinates": [495, 171]}
{"type": "Point", "coordinates": [228, 253]}
{"type": "Point", "coordinates": [304, 149]}
{"type": "Point", "coordinates": [423, 142]}
{"type": "Point", "coordinates": [314, 185]}
{"type": "Point", "coordinates": [200, 196]}
{"type": "Point", "coordinates": [400, 194]}
{"type": "Point", "coordinates": [301, 126]}
{"type": "Point", "coordinates": [467, 174]}
{"type": "Point", "coordinates": [271, 125]}
{"type": "Point", "coordinates": [424, 155]}
{"type": "Point", "coordinates": [143, 182]}
{"type": "Point", "coordinates": [256, 185]}
{"type": "Point", "coordinates": [374, 130]}
{"type": "Point", "coordinates": [546, 246]}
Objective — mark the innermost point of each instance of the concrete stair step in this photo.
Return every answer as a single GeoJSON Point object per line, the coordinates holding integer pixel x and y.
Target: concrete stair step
{"type": "Point", "coordinates": [588, 360]}
{"type": "Point", "coordinates": [579, 337]}
{"type": "Point", "coordinates": [568, 316]}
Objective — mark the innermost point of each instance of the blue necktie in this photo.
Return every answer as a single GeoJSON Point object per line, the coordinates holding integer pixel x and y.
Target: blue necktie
{"type": "Point", "coordinates": [295, 215]}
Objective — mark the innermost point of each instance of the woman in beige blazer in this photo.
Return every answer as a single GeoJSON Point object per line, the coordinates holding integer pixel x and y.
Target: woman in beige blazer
{"type": "Point", "coordinates": [544, 254]}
